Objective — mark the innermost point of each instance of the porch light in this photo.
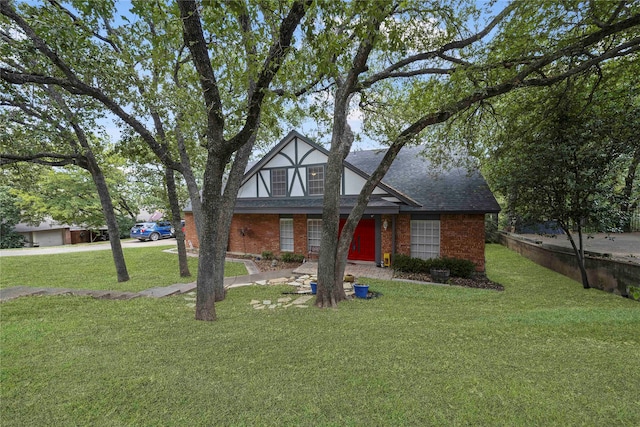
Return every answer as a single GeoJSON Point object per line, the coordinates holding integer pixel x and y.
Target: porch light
{"type": "Point", "coordinates": [385, 225]}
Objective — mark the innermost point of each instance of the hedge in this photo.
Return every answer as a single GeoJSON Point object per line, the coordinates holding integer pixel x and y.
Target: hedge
{"type": "Point", "coordinates": [458, 267]}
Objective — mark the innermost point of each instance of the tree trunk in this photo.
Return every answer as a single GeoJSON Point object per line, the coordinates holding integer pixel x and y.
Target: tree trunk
{"type": "Point", "coordinates": [330, 288]}
{"type": "Point", "coordinates": [110, 217]}
{"type": "Point", "coordinates": [579, 252]}
{"type": "Point", "coordinates": [101, 185]}
{"type": "Point", "coordinates": [176, 221]}
{"type": "Point", "coordinates": [210, 266]}
{"type": "Point", "coordinates": [626, 206]}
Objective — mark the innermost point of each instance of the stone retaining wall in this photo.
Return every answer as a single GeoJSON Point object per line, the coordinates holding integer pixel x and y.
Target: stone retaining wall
{"type": "Point", "coordinates": [606, 274]}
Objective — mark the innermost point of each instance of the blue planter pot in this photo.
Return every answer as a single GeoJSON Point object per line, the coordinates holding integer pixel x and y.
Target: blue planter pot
{"type": "Point", "coordinates": [361, 291]}
{"type": "Point", "coordinates": [314, 287]}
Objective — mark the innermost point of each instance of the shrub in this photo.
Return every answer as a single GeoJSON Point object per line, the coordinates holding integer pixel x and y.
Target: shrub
{"type": "Point", "coordinates": [457, 267]}
{"type": "Point", "coordinates": [407, 264]}
{"type": "Point", "coordinates": [288, 257]}
{"type": "Point", "coordinates": [267, 255]}
{"type": "Point", "coordinates": [460, 267]}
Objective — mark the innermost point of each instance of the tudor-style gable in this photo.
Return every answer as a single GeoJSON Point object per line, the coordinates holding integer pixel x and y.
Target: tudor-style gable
{"type": "Point", "coordinates": [295, 168]}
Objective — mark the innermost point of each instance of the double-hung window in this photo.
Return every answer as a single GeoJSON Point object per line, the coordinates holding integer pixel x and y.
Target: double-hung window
{"type": "Point", "coordinates": [286, 234]}
{"type": "Point", "coordinates": [278, 182]}
{"type": "Point", "coordinates": [425, 239]}
{"type": "Point", "coordinates": [314, 233]}
{"type": "Point", "coordinates": [315, 180]}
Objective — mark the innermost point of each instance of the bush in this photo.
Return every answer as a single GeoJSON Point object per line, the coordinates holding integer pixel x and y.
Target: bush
{"type": "Point", "coordinates": [460, 267]}
{"type": "Point", "coordinates": [457, 267]}
{"type": "Point", "coordinates": [287, 257]}
{"type": "Point", "coordinates": [267, 255]}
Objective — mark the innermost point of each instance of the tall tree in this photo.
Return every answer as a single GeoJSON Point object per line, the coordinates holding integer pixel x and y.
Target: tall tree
{"type": "Point", "coordinates": [218, 202]}
{"type": "Point", "coordinates": [88, 63]}
{"type": "Point", "coordinates": [560, 151]}
{"type": "Point", "coordinates": [409, 84]}
{"type": "Point", "coordinates": [51, 133]}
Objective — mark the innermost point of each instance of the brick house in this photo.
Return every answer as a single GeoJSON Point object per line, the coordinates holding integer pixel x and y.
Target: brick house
{"type": "Point", "coordinates": [412, 212]}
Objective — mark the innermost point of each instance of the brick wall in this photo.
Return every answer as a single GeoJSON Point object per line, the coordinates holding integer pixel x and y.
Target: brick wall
{"type": "Point", "coordinates": [190, 234]}
{"type": "Point", "coordinates": [261, 233]}
{"type": "Point", "coordinates": [300, 234]}
{"type": "Point", "coordinates": [386, 237]}
{"type": "Point", "coordinates": [403, 234]}
{"type": "Point", "coordinates": [462, 236]}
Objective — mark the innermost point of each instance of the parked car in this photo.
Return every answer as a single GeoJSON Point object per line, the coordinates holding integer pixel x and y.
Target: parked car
{"type": "Point", "coordinates": [151, 230]}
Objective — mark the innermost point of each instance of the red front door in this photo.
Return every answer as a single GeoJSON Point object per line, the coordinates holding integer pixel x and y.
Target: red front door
{"type": "Point", "coordinates": [363, 245]}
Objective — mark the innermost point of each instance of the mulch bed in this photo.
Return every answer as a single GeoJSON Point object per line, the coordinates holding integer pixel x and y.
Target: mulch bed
{"type": "Point", "coordinates": [476, 282]}
{"type": "Point", "coordinates": [267, 265]}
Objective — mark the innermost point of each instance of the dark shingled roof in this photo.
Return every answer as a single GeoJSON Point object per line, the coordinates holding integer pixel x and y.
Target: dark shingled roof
{"type": "Point", "coordinates": [411, 177]}
{"type": "Point", "coordinates": [454, 190]}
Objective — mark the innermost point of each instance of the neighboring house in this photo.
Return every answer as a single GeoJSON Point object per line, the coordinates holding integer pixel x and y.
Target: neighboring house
{"type": "Point", "coordinates": [47, 233]}
{"type": "Point", "coordinates": [50, 233]}
{"type": "Point", "coordinates": [411, 212]}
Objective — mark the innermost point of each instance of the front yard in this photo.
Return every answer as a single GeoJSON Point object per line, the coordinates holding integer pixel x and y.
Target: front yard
{"type": "Point", "coordinates": [543, 352]}
{"type": "Point", "coordinates": [148, 267]}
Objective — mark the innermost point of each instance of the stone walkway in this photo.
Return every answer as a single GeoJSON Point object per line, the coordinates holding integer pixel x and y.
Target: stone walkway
{"type": "Point", "coordinates": [300, 278]}
{"type": "Point", "coordinates": [357, 270]}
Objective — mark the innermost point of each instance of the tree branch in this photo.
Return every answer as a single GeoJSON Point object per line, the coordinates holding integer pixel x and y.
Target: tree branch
{"type": "Point", "coordinates": [270, 68]}
{"type": "Point", "coordinates": [75, 86]}
{"type": "Point", "coordinates": [41, 158]}
{"type": "Point", "coordinates": [458, 44]}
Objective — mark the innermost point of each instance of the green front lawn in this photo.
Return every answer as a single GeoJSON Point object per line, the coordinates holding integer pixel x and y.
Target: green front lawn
{"type": "Point", "coordinates": [543, 352]}
{"type": "Point", "coordinates": [147, 267]}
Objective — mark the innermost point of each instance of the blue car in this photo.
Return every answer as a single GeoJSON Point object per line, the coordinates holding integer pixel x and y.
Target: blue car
{"type": "Point", "coordinates": [151, 230]}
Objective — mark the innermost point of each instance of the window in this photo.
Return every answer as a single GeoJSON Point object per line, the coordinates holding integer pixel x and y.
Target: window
{"type": "Point", "coordinates": [315, 180]}
{"type": "Point", "coordinates": [278, 182]}
{"type": "Point", "coordinates": [314, 233]}
{"type": "Point", "coordinates": [286, 234]}
{"type": "Point", "coordinates": [425, 239]}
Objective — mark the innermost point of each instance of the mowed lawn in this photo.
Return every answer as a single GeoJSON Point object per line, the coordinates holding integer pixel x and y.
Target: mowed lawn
{"type": "Point", "coordinates": [543, 352]}
{"type": "Point", "coordinates": [147, 267]}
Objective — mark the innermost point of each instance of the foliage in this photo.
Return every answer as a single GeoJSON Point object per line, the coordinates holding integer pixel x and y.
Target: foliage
{"type": "Point", "coordinates": [491, 232]}
{"type": "Point", "coordinates": [419, 355]}
{"type": "Point", "coordinates": [125, 223]}
{"type": "Point", "coordinates": [558, 152]}
{"type": "Point", "coordinates": [68, 196]}
{"type": "Point", "coordinates": [267, 255]}
{"type": "Point", "coordinates": [634, 292]}
{"type": "Point", "coordinates": [458, 267]}
{"type": "Point", "coordinates": [149, 267]}
{"type": "Point", "coordinates": [9, 217]}
{"type": "Point", "coordinates": [291, 257]}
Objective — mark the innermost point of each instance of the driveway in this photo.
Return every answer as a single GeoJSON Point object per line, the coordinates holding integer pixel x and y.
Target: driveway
{"type": "Point", "coordinates": [84, 247]}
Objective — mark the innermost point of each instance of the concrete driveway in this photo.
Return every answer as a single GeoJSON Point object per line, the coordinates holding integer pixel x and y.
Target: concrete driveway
{"type": "Point", "coordinates": [85, 247]}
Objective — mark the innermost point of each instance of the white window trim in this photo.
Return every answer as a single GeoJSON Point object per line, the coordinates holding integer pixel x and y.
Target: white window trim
{"type": "Point", "coordinates": [314, 226]}
{"type": "Point", "coordinates": [285, 182]}
{"type": "Point", "coordinates": [315, 180]}
{"type": "Point", "coordinates": [425, 238]}
{"type": "Point", "coordinates": [286, 240]}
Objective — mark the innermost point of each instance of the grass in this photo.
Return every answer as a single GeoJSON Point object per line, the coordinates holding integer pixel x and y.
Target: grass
{"type": "Point", "coordinates": [148, 268]}
{"type": "Point", "coordinates": [543, 352]}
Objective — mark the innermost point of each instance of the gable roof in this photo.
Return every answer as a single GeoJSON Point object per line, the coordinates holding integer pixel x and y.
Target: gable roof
{"type": "Point", "coordinates": [410, 179]}
{"type": "Point", "coordinates": [255, 167]}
